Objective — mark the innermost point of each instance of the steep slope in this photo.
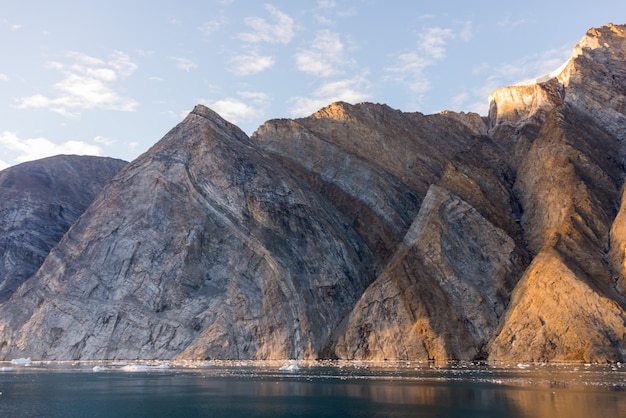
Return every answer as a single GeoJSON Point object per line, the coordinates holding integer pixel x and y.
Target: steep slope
{"type": "Point", "coordinates": [446, 289]}
{"type": "Point", "coordinates": [359, 232]}
{"type": "Point", "coordinates": [39, 200]}
{"type": "Point", "coordinates": [447, 294]}
{"type": "Point", "coordinates": [566, 306]}
{"type": "Point", "coordinates": [201, 247]}
{"type": "Point", "coordinates": [374, 164]}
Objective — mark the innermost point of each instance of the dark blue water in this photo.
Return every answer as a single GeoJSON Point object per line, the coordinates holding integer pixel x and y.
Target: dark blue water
{"type": "Point", "coordinates": [328, 390]}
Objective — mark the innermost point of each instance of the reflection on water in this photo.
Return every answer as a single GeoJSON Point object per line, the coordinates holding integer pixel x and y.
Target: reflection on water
{"type": "Point", "coordinates": [315, 389]}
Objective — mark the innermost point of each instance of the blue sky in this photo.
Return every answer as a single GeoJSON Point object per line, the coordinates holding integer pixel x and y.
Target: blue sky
{"type": "Point", "coordinates": [112, 77]}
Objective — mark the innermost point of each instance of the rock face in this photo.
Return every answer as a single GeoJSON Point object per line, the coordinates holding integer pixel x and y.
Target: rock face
{"type": "Point", "coordinates": [359, 232]}
{"type": "Point", "coordinates": [39, 201]}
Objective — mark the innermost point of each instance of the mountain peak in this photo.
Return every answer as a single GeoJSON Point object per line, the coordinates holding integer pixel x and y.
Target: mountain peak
{"type": "Point", "coordinates": [359, 232]}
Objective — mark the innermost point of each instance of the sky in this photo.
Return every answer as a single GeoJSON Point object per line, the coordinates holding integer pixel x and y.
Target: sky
{"type": "Point", "coordinates": [111, 78]}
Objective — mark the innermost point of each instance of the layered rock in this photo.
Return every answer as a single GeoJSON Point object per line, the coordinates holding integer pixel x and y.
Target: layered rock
{"type": "Point", "coordinates": [566, 306]}
{"type": "Point", "coordinates": [359, 232]}
{"type": "Point", "coordinates": [373, 163]}
{"type": "Point", "coordinates": [39, 201]}
{"type": "Point", "coordinates": [202, 247]}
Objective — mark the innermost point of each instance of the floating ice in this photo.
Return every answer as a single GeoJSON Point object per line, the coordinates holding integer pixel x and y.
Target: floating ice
{"type": "Point", "coordinates": [289, 368]}
{"type": "Point", "coordinates": [7, 369]}
{"type": "Point", "coordinates": [99, 368]}
{"type": "Point", "coordinates": [144, 368]}
{"type": "Point", "coordinates": [22, 361]}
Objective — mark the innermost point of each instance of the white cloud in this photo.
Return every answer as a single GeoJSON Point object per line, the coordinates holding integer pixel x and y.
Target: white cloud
{"type": "Point", "coordinates": [350, 90]}
{"type": "Point", "coordinates": [36, 148]}
{"type": "Point", "coordinates": [279, 32]}
{"type": "Point", "coordinates": [528, 67]}
{"type": "Point", "coordinates": [409, 68]}
{"type": "Point", "coordinates": [326, 4]}
{"type": "Point", "coordinates": [10, 25]}
{"type": "Point", "coordinates": [184, 64]}
{"type": "Point", "coordinates": [4, 77]}
{"type": "Point", "coordinates": [87, 84]}
{"type": "Point", "coordinates": [506, 74]}
{"type": "Point", "coordinates": [433, 42]}
{"type": "Point", "coordinates": [248, 107]}
{"type": "Point", "coordinates": [211, 26]}
{"type": "Point", "coordinates": [507, 22]}
{"type": "Point", "coordinates": [467, 32]}
{"type": "Point", "coordinates": [324, 56]}
{"type": "Point", "coordinates": [4, 165]}
{"type": "Point", "coordinates": [251, 63]}
{"type": "Point", "coordinates": [233, 110]}
{"type": "Point", "coordinates": [104, 140]}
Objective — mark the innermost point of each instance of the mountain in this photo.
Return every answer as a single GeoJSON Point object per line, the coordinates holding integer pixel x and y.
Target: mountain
{"type": "Point", "coordinates": [359, 232]}
{"type": "Point", "coordinates": [39, 201]}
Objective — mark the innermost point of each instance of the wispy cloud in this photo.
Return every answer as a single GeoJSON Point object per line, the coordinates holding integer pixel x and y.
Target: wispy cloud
{"type": "Point", "coordinates": [9, 25]}
{"type": "Point", "coordinates": [87, 84]}
{"type": "Point", "coordinates": [35, 148]}
{"type": "Point", "coordinates": [351, 90]}
{"type": "Point", "coordinates": [509, 22]}
{"type": "Point", "coordinates": [409, 67]}
{"type": "Point", "coordinates": [248, 106]}
{"type": "Point", "coordinates": [324, 56]}
{"type": "Point", "coordinates": [528, 67]}
{"type": "Point", "coordinates": [263, 31]}
{"type": "Point", "coordinates": [506, 74]}
{"type": "Point", "coordinates": [4, 77]}
{"type": "Point", "coordinates": [250, 63]}
{"type": "Point", "coordinates": [185, 64]}
{"type": "Point", "coordinates": [433, 42]}
{"type": "Point", "coordinates": [210, 27]}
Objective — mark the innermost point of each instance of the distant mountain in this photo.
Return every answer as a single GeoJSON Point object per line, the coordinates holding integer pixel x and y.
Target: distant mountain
{"type": "Point", "coordinates": [39, 201]}
{"type": "Point", "coordinates": [359, 232]}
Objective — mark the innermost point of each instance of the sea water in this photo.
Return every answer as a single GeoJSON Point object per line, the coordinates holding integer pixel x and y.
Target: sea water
{"type": "Point", "coordinates": [310, 389]}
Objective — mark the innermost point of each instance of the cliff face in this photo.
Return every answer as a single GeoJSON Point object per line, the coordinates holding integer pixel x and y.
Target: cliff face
{"type": "Point", "coordinates": [359, 232]}
{"type": "Point", "coordinates": [39, 201]}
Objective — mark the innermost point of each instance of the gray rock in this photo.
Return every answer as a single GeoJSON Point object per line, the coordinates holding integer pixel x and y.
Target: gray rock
{"type": "Point", "coordinates": [360, 232]}
{"type": "Point", "coordinates": [39, 201]}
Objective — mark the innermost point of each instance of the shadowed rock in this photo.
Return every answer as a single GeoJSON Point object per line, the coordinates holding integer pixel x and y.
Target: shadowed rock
{"type": "Point", "coordinates": [39, 201]}
{"type": "Point", "coordinates": [359, 232]}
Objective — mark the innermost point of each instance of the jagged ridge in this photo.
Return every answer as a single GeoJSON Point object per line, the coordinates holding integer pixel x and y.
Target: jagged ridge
{"type": "Point", "coordinates": [360, 232]}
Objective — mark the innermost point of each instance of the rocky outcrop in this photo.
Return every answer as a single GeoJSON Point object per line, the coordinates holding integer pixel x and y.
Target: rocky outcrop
{"type": "Point", "coordinates": [39, 201]}
{"type": "Point", "coordinates": [373, 163]}
{"type": "Point", "coordinates": [202, 247]}
{"type": "Point", "coordinates": [567, 306]}
{"type": "Point", "coordinates": [359, 232]}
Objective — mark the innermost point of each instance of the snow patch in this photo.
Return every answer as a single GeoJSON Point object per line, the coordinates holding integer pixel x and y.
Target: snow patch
{"type": "Point", "coordinates": [99, 369]}
{"type": "Point", "coordinates": [22, 361]}
{"type": "Point", "coordinates": [7, 369]}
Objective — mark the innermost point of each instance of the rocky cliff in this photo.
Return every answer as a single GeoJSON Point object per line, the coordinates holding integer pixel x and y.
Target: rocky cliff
{"type": "Point", "coordinates": [39, 201]}
{"type": "Point", "coordinates": [359, 232]}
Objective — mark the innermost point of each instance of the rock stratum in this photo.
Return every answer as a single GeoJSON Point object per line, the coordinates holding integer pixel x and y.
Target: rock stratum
{"type": "Point", "coordinates": [39, 201]}
{"type": "Point", "coordinates": [359, 232]}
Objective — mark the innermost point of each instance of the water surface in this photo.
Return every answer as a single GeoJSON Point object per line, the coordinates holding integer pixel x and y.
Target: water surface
{"type": "Point", "coordinates": [311, 389]}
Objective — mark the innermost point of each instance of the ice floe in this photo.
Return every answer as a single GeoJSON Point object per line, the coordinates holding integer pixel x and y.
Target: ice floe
{"type": "Point", "coordinates": [22, 361]}
{"type": "Point", "coordinates": [144, 368]}
{"type": "Point", "coordinates": [289, 368]}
